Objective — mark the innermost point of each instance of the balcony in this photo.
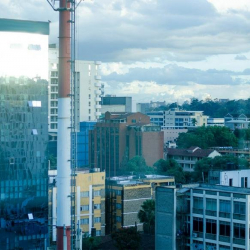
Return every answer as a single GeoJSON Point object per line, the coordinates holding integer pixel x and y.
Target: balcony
{"type": "Point", "coordinates": [224, 215]}
{"type": "Point", "coordinates": [98, 106]}
{"type": "Point", "coordinates": [239, 216]}
{"type": "Point", "coordinates": [98, 113]}
{"type": "Point", "coordinates": [211, 213]}
{"type": "Point", "coordinates": [239, 241]}
{"type": "Point", "coordinates": [211, 236]}
{"type": "Point", "coordinates": [98, 77]}
{"type": "Point", "coordinates": [98, 99]}
{"type": "Point", "coordinates": [98, 92]}
{"type": "Point", "coordinates": [98, 84]}
{"type": "Point", "coordinates": [197, 211]}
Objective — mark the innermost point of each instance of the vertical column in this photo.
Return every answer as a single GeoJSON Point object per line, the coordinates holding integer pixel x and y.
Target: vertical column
{"type": "Point", "coordinates": [63, 141]}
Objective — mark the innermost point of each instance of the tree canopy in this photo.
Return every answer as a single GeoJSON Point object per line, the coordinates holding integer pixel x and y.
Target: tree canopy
{"type": "Point", "coordinates": [172, 168]}
{"type": "Point", "coordinates": [205, 137]}
{"type": "Point", "coordinates": [146, 215]}
{"type": "Point", "coordinates": [203, 166]}
{"type": "Point", "coordinates": [137, 165]}
{"type": "Point", "coordinates": [126, 238]}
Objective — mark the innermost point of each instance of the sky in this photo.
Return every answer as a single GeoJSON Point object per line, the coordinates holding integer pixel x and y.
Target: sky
{"type": "Point", "coordinates": [156, 50]}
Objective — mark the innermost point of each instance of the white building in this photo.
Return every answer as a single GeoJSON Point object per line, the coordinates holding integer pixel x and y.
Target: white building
{"type": "Point", "coordinates": [202, 217]}
{"type": "Point", "coordinates": [88, 90]}
{"type": "Point", "coordinates": [215, 122]}
{"type": "Point", "coordinates": [233, 178]}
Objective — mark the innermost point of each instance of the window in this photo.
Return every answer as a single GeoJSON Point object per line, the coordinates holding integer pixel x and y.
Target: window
{"type": "Point", "coordinates": [34, 103]}
{"type": "Point", "coordinates": [97, 220]}
{"type": "Point", "coordinates": [198, 202]}
{"type": "Point", "coordinates": [97, 193]}
{"type": "Point", "coordinates": [84, 208]}
{"type": "Point", "coordinates": [97, 206]}
{"type": "Point", "coordinates": [211, 204]}
{"type": "Point", "coordinates": [239, 231]}
{"type": "Point", "coordinates": [197, 224]}
{"type": "Point", "coordinates": [225, 208]}
{"type": "Point", "coordinates": [224, 228]}
{"type": "Point", "coordinates": [239, 207]}
{"type": "Point", "coordinates": [98, 232]}
{"type": "Point", "coordinates": [84, 221]}
{"type": "Point", "coordinates": [210, 226]}
{"type": "Point", "coordinates": [244, 181]}
{"type": "Point", "coordinates": [118, 218]}
{"type": "Point", "coordinates": [84, 194]}
{"type": "Point", "coordinates": [118, 206]}
{"type": "Point", "coordinates": [34, 132]}
{"type": "Point", "coordinates": [118, 192]}
{"type": "Point", "coordinates": [133, 120]}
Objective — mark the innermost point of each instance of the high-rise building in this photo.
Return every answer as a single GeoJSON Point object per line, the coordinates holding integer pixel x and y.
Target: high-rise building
{"type": "Point", "coordinates": [23, 134]}
{"type": "Point", "coordinates": [89, 90]}
{"type": "Point", "coordinates": [121, 136]}
{"type": "Point", "coordinates": [89, 206]}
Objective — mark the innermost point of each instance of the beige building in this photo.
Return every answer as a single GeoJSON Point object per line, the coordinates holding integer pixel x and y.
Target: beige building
{"type": "Point", "coordinates": [89, 203]}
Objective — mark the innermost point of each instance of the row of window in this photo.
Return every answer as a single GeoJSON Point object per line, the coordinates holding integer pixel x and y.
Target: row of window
{"type": "Point", "coordinates": [86, 207]}
{"type": "Point", "coordinates": [224, 228]}
{"type": "Point", "coordinates": [86, 220]}
{"type": "Point", "coordinates": [224, 205]}
{"type": "Point", "coordinates": [85, 194]}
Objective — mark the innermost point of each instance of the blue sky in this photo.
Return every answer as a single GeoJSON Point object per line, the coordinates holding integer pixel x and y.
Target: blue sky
{"type": "Point", "coordinates": [168, 50]}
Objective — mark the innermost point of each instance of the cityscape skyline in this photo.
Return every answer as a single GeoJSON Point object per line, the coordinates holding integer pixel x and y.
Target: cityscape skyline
{"type": "Point", "coordinates": [190, 50]}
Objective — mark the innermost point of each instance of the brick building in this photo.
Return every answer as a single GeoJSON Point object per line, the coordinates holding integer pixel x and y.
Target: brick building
{"type": "Point", "coordinates": [121, 136]}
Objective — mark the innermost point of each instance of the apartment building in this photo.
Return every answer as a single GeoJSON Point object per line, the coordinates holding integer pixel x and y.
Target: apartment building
{"type": "Point", "coordinates": [88, 90]}
{"type": "Point", "coordinates": [89, 203]}
{"type": "Point", "coordinates": [126, 194]}
{"type": "Point", "coordinates": [202, 216]}
{"type": "Point", "coordinates": [188, 157]}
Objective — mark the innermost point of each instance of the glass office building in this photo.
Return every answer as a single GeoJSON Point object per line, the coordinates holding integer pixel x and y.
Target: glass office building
{"type": "Point", "coordinates": [23, 134]}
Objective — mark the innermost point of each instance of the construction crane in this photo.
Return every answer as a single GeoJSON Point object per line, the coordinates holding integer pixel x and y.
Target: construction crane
{"type": "Point", "coordinates": [68, 236]}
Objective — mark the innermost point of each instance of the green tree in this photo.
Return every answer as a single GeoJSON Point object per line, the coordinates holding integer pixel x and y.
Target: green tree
{"type": "Point", "coordinates": [172, 168]}
{"type": "Point", "coordinates": [127, 238]}
{"type": "Point", "coordinates": [138, 165]}
{"type": "Point", "coordinates": [146, 215]}
{"type": "Point", "coordinates": [203, 166]}
{"type": "Point", "coordinates": [52, 162]}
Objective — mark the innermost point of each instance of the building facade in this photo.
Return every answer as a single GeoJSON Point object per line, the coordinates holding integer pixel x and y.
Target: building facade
{"type": "Point", "coordinates": [126, 194]}
{"type": "Point", "coordinates": [88, 90]}
{"type": "Point", "coordinates": [203, 217]}
{"type": "Point", "coordinates": [188, 157]}
{"type": "Point", "coordinates": [23, 134]}
{"type": "Point", "coordinates": [89, 203]}
{"type": "Point", "coordinates": [233, 121]}
{"type": "Point", "coordinates": [116, 104]}
{"type": "Point", "coordinates": [121, 136]}
{"type": "Point", "coordinates": [156, 117]}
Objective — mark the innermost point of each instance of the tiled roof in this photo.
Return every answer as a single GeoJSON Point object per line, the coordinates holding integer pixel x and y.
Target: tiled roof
{"type": "Point", "coordinates": [190, 152]}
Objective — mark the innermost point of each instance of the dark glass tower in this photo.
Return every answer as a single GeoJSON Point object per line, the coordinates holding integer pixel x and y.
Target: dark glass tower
{"type": "Point", "coordinates": [23, 141]}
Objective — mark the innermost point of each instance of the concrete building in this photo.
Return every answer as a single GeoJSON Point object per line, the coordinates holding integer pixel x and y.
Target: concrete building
{"type": "Point", "coordinates": [89, 205]}
{"type": "Point", "coordinates": [232, 178]}
{"type": "Point", "coordinates": [121, 136]}
{"type": "Point", "coordinates": [23, 134]}
{"type": "Point", "coordinates": [126, 194]}
{"type": "Point", "coordinates": [233, 121]}
{"type": "Point", "coordinates": [182, 118]}
{"type": "Point", "coordinates": [116, 104]}
{"type": "Point", "coordinates": [188, 157]}
{"type": "Point", "coordinates": [88, 93]}
{"type": "Point", "coordinates": [143, 108]}
{"type": "Point", "coordinates": [156, 117]}
{"type": "Point", "coordinates": [202, 216]}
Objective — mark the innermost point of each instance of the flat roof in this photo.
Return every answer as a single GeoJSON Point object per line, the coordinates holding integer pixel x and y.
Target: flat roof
{"type": "Point", "coordinates": [14, 25]}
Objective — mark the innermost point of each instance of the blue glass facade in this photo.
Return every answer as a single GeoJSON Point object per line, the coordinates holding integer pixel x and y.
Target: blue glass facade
{"type": "Point", "coordinates": [83, 143]}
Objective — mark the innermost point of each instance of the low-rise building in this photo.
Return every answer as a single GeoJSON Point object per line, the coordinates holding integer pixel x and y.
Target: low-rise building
{"type": "Point", "coordinates": [215, 122]}
{"type": "Point", "coordinates": [188, 157]}
{"type": "Point", "coordinates": [126, 194]}
{"type": "Point", "coordinates": [233, 121]}
{"type": "Point", "coordinates": [202, 216]}
{"type": "Point", "coordinates": [233, 178]}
